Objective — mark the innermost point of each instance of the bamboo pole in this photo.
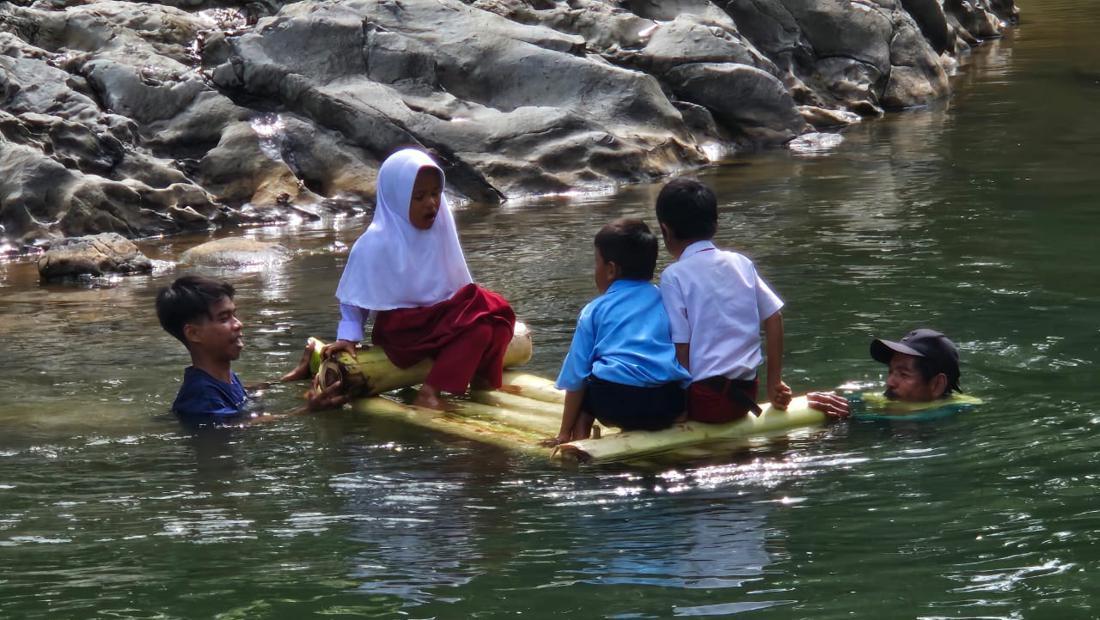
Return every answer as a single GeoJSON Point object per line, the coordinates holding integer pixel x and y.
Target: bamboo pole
{"type": "Point", "coordinates": [513, 417]}
{"type": "Point", "coordinates": [534, 386]}
{"type": "Point", "coordinates": [877, 407]}
{"type": "Point", "coordinates": [518, 402]}
{"type": "Point", "coordinates": [370, 372]}
{"type": "Point", "coordinates": [632, 444]}
{"type": "Point", "coordinates": [454, 424]}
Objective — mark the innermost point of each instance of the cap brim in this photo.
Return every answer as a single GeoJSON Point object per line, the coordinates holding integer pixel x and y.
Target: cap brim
{"type": "Point", "coordinates": [883, 350]}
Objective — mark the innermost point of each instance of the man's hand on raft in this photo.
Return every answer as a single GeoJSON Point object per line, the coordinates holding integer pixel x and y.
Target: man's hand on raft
{"type": "Point", "coordinates": [334, 348]}
{"type": "Point", "coordinates": [830, 404]}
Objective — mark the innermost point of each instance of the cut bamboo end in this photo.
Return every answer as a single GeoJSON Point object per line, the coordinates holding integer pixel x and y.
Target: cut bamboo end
{"type": "Point", "coordinates": [570, 454]}
{"type": "Point", "coordinates": [315, 347]}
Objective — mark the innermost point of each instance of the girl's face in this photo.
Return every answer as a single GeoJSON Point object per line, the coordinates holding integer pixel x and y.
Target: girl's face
{"type": "Point", "coordinates": [427, 195]}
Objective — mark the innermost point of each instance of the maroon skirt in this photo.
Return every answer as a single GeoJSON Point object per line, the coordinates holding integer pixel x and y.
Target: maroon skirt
{"type": "Point", "coordinates": [466, 335]}
{"type": "Point", "coordinates": [717, 400]}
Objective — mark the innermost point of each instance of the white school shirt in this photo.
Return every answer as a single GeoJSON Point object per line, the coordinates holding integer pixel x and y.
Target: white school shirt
{"type": "Point", "coordinates": [352, 320]}
{"type": "Point", "coordinates": [716, 302]}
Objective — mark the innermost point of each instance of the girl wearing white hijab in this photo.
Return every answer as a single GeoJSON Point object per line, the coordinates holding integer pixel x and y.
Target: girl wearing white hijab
{"type": "Point", "coordinates": [409, 269]}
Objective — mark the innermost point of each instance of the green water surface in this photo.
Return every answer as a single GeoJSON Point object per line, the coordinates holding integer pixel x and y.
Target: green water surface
{"type": "Point", "coordinates": [976, 217]}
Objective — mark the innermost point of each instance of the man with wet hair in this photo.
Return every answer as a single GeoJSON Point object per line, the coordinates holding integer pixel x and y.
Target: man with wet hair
{"type": "Point", "coordinates": [201, 313]}
{"type": "Point", "coordinates": [922, 367]}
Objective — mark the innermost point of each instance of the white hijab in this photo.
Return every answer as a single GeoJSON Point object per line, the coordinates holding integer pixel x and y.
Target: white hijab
{"type": "Point", "coordinates": [394, 264]}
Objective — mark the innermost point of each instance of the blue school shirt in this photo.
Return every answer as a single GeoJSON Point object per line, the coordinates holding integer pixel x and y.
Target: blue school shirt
{"type": "Point", "coordinates": [203, 395]}
{"type": "Point", "coordinates": [623, 336]}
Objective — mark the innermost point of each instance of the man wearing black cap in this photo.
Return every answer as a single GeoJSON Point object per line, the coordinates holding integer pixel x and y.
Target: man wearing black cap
{"type": "Point", "coordinates": [923, 366]}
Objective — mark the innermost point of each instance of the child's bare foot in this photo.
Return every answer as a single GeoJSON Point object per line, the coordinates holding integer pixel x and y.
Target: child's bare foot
{"type": "Point", "coordinates": [428, 397]}
{"type": "Point", "coordinates": [301, 371]}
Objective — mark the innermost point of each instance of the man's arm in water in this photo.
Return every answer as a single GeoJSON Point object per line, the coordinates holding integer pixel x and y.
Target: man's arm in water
{"type": "Point", "coordinates": [316, 398]}
{"type": "Point", "coordinates": [299, 373]}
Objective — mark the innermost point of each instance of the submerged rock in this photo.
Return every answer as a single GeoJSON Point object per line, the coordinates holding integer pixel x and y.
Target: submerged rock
{"type": "Point", "coordinates": [95, 255]}
{"type": "Point", "coordinates": [815, 143]}
{"type": "Point", "coordinates": [821, 118]}
{"type": "Point", "coordinates": [150, 118]}
{"type": "Point", "coordinates": [234, 252]}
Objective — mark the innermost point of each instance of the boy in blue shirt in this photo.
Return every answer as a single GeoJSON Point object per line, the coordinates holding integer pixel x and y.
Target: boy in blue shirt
{"type": "Point", "coordinates": [200, 313]}
{"type": "Point", "coordinates": [621, 368]}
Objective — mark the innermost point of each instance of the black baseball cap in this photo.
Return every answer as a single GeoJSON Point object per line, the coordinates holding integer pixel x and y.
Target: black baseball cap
{"type": "Point", "coordinates": [927, 343]}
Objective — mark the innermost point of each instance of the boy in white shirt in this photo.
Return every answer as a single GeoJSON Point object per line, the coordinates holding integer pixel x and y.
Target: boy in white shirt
{"type": "Point", "coordinates": [716, 304]}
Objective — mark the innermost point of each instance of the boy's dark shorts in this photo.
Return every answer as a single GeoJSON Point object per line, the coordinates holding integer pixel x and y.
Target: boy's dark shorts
{"type": "Point", "coordinates": [633, 408]}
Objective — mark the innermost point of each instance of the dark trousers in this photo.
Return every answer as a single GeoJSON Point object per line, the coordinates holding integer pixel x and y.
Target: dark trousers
{"type": "Point", "coordinates": [633, 408]}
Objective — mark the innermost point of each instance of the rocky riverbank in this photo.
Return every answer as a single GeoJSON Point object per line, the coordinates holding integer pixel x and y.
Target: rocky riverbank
{"type": "Point", "coordinates": [152, 118]}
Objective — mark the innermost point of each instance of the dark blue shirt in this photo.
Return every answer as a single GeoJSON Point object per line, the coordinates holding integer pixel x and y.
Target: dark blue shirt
{"type": "Point", "coordinates": [203, 395]}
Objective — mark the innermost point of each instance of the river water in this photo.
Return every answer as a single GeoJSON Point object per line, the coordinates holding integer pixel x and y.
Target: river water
{"type": "Point", "coordinates": [975, 217]}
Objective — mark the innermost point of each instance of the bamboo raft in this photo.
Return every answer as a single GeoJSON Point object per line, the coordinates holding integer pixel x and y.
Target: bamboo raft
{"type": "Point", "coordinates": [529, 410]}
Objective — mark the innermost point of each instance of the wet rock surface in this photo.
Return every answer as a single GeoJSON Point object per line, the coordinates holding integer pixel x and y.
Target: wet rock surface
{"type": "Point", "coordinates": [152, 118]}
{"type": "Point", "coordinates": [234, 252]}
{"type": "Point", "coordinates": [94, 255]}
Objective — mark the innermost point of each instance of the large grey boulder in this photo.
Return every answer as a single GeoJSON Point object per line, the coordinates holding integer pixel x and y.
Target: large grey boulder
{"type": "Point", "coordinates": [745, 99]}
{"type": "Point", "coordinates": [95, 255]}
{"type": "Point", "coordinates": [149, 118]}
{"type": "Point", "coordinates": [515, 109]}
{"type": "Point", "coordinates": [930, 17]}
{"type": "Point", "coordinates": [846, 51]}
{"type": "Point", "coordinates": [105, 118]}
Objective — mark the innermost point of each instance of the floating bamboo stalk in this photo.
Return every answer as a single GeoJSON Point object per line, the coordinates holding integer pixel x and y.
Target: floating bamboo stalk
{"type": "Point", "coordinates": [516, 417]}
{"type": "Point", "coordinates": [534, 386]}
{"type": "Point", "coordinates": [454, 423]}
{"type": "Point", "coordinates": [370, 372]}
{"type": "Point", "coordinates": [632, 444]}
{"type": "Point", "coordinates": [876, 406]}
{"type": "Point", "coordinates": [515, 402]}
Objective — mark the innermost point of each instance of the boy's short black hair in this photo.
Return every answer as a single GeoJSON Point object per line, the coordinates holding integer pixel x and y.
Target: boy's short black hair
{"type": "Point", "coordinates": [188, 299]}
{"type": "Point", "coordinates": [688, 208]}
{"type": "Point", "coordinates": [631, 245]}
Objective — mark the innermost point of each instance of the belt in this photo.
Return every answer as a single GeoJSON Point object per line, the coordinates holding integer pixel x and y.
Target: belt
{"type": "Point", "coordinates": [734, 389]}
